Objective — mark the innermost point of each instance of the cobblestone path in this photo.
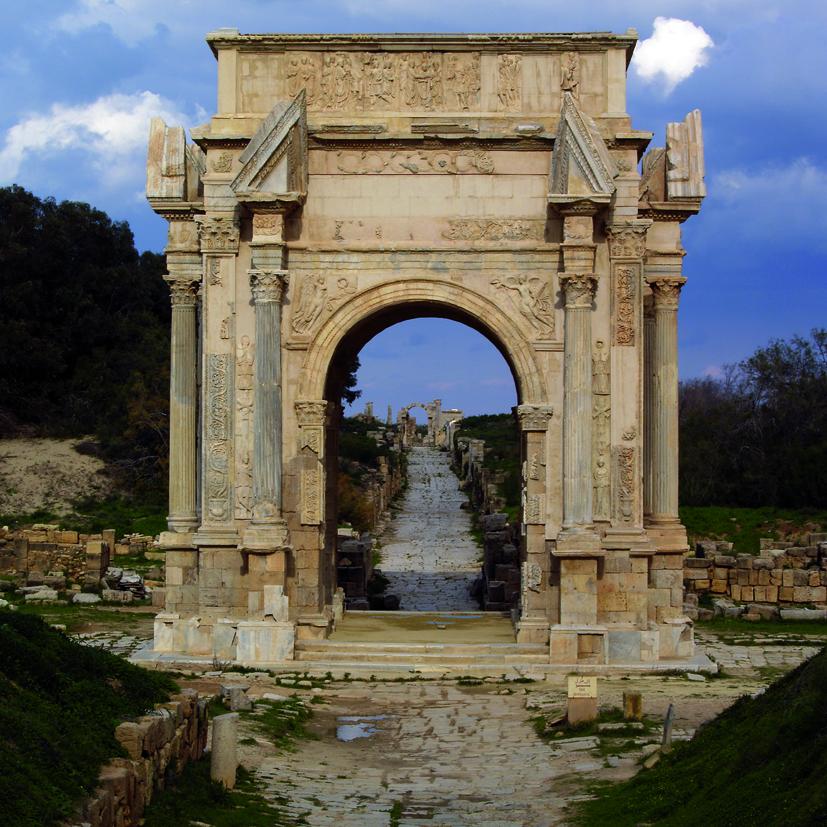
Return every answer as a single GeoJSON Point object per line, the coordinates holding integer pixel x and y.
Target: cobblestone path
{"type": "Point", "coordinates": [428, 553]}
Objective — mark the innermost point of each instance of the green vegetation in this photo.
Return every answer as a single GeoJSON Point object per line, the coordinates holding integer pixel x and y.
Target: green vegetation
{"type": "Point", "coordinates": [195, 798]}
{"type": "Point", "coordinates": [745, 526]}
{"type": "Point", "coordinates": [762, 761]}
{"type": "Point", "coordinates": [144, 515]}
{"type": "Point", "coordinates": [84, 334]}
{"type": "Point", "coordinates": [758, 435]}
{"type": "Point", "coordinates": [502, 453]}
{"type": "Point", "coordinates": [730, 630]}
{"type": "Point", "coordinates": [280, 721]}
{"type": "Point", "coordinates": [59, 705]}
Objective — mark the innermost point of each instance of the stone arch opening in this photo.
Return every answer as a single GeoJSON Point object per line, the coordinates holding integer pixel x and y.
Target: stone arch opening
{"type": "Point", "coordinates": [385, 312]}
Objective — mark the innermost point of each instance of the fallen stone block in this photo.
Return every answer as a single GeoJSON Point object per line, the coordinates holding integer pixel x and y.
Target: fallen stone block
{"type": "Point", "coordinates": [85, 598]}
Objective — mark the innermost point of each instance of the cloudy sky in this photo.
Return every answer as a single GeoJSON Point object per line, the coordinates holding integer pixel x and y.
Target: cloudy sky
{"type": "Point", "coordinates": [79, 80]}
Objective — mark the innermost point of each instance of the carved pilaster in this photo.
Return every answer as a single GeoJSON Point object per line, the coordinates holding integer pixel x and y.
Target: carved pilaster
{"type": "Point", "coordinates": [601, 432]}
{"type": "Point", "coordinates": [313, 416]}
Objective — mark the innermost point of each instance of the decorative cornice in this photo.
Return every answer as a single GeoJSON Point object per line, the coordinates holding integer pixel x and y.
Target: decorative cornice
{"type": "Point", "coordinates": [534, 417]}
{"type": "Point", "coordinates": [268, 285]}
{"type": "Point", "coordinates": [218, 234]}
{"type": "Point", "coordinates": [666, 292]}
{"type": "Point", "coordinates": [578, 289]}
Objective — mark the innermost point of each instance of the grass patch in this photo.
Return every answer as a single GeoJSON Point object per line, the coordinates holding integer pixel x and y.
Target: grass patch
{"type": "Point", "coordinates": [76, 617]}
{"type": "Point", "coordinates": [91, 516]}
{"type": "Point", "coordinates": [728, 629]}
{"type": "Point", "coordinates": [282, 722]}
{"type": "Point", "coordinates": [745, 526]}
{"type": "Point", "coordinates": [59, 705]}
{"type": "Point", "coordinates": [195, 797]}
{"type": "Point", "coordinates": [762, 761]}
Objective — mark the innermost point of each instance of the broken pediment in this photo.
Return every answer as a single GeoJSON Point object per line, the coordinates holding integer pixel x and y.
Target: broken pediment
{"type": "Point", "coordinates": [672, 178]}
{"type": "Point", "coordinates": [581, 167]}
{"type": "Point", "coordinates": [275, 160]}
{"type": "Point", "coordinates": [173, 167]}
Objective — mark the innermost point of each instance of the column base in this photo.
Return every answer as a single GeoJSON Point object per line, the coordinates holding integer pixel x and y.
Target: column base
{"type": "Point", "coordinates": [532, 630]}
{"type": "Point", "coordinates": [223, 536]}
{"type": "Point", "coordinates": [265, 536]}
{"type": "Point", "coordinates": [667, 534]}
{"type": "Point", "coordinates": [314, 626]}
{"type": "Point", "coordinates": [634, 540]}
{"type": "Point", "coordinates": [578, 542]}
{"type": "Point", "coordinates": [176, 540]}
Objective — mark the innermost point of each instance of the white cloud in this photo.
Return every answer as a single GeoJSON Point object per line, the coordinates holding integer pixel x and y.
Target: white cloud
{"type": "Point", "coordinates": [787, 203]}
{"type": "Point", "coordinates": [112, 130]}
{"type": "Point", "coordinates": [674, 51]}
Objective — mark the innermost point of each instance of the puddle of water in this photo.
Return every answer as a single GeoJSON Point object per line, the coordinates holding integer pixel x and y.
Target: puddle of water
{"type": "Point", "coordinates": [352, 727]}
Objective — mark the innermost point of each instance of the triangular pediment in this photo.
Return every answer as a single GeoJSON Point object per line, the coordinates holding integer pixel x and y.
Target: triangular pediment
{"type": "Point", "coordinates": [275, 160]}
{"type": "Point", "coordinates": [581, 165]}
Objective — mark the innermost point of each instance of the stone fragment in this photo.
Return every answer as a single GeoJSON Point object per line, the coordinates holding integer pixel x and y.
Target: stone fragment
{"type": "Point", "coordinates": [86, 598]}
{"type": "Point", "coordinates": [224, 752]}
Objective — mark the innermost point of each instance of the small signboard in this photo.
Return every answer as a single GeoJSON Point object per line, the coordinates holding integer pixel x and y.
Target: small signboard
{"type": "Point", "coordinates": [582, 686]}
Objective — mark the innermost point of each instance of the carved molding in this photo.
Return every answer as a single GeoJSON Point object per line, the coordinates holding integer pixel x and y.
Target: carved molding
{"type": "Point", "coordinates": [534, 417]}
{"type": "Point", "coordinates": [312, 495]}
{"type": "Point", "coordinates": [666, 292]}
{"type": "Point", "coordinates": [223, 162]}
{"type": "Point", "coordinates": [269, 225]}
{"type": "Point", "coordinates": [626, 484]}
{"type": "Point", "coordinates": [218, 234]}
{"type": "Point", "coordinates": [531, 577]}
{"type": "Point", "coordinates": [578, 289]}
{"type": "Point", "coordinates": [533, 514]}
{"type": "Point", "coordinates": [268, 285]}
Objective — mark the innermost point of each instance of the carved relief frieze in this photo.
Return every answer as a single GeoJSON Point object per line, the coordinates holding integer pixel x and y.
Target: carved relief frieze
{"type": "Point", "coordinates": [532, 297]}
{"type": "Point", "coordinates": [509, 81]}
{"type": "Point", "coordinates": [244, 404]}
{"type": "Point", "coordinates": [626, 484]}
{"type": "Point", "coordinates": [422, 80]}
{"type": "Point", "coordinates": [533, 515]}
{"type": "Point", "coordinates": [214, 278]}
{"type": "Point", "coordinates": [462, 73]}
{"type": "Point", "coordinates": [269, 225]}
{"type": "Point", "coordinates": [218, 446]}
{"type": "Point", "coordinates": [625, 302]}
{"type": "Point", "coordinates": [485, 229]}
{"type": "Point", "coordinates": [451, 162]}
{"type": "Point", "coordinates": [303, 72]}
{"type": "Point", "coordinates": [311, 496]}
{"type": "Point", "coordinates": [601, 432]}
{"type": "Point", "coordinates": [182, 237]}
{"type": "Point", "coordinates": [312, 418]}
{"type": "Point", "coordinates": [224, 328]}
{"type": "Point", "coordinates": [223, 162]}
{"type": "Point", "coordinates": [316, 296]}
{"type": "Point", "coordinates": [570, 74]}
{"type": "Point", "coordinates": [578, 229]}
{"type": "Point", "coordinates": [217, 234]}
{"type": "Point", "coordinates": [531, 576]}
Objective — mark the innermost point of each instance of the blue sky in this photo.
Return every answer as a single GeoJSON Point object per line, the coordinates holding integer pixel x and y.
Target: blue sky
{"type": "Point", "coordinates": [79, 80]}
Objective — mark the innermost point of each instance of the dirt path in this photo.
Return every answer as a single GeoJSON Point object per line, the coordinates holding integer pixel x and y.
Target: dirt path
{"type": "Point", "coordinates": [428, 553]}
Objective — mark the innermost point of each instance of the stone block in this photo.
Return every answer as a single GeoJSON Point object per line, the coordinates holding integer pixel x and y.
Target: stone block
{"type": "Point", "coordinates": [735, 592]}
{"type": "Point", "coordinates": [581, 710]}
{"type": "Point", "coordinates": [747, 593]}
{"type": "Point", "coordinates": [623, 646]}
{"type": "Point", "coordinates": [719, 586]}
{"type": "Point", "coordinates": [615, 564]}
{"type": "Point", "coordinates": [702, 585]}
{"type": "Point", "coordinates": [696, 574]}
{"type": "Point", "coordinates": [666, 578]}
{"type": "Point", "coordinates": [265, 642]}
{"type": "Point", "coordinates": [696, 563]}
{"type": "Point", "coordinates": [785, 593]}
{"type": "Point", "coordinates": [800, 577]}
{"type": "Point", "coordinates": [667, 561]}
{"type": "Point", "coordinates": [725, 561]}
{"type": "Point", "coordinates": [814, 578]}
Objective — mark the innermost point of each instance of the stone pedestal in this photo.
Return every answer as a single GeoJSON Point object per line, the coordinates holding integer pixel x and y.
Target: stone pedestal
{"type": "Point", "coordinates": [263, 642]}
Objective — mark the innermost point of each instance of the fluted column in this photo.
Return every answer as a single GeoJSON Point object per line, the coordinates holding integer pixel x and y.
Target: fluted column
{"type": "Point", "coordinates": [648, 408]}
{"type": "Point", "coordinates": [268, 528]}
{"type": "Point", "coordinates": [664, 444]}
{"type": "Point", "coordinates": [577, 403]}
{"type": "Point", "coordinates": [183, 407]}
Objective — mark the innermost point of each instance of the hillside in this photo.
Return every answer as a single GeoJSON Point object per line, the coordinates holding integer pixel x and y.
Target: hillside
{"type": "Point", "coordinates": [59, 705]}
{"type": "Point", "coordinates": [763, 761]}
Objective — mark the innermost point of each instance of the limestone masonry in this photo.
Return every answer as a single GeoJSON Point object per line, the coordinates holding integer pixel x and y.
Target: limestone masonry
{"type": "Point", "coordinates": [349, 182]}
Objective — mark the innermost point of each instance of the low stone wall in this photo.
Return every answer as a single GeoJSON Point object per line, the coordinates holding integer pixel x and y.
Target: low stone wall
{"type": "Point", "coordinates": [33, 553]}
{"type": "Point", "coordinates": [159, 746]}
{"type": "Point", "coordinates": [479, 482]}
{"type": "Point", "coordinates": [779, 577]}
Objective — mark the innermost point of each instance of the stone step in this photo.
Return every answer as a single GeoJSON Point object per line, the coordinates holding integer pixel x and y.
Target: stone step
{"type": "Point", "coordinates": [358, 647]}
{"type": "Point", "coordinates": [421, 653]}
{"type": "Point", "coordinates": [405, 658]}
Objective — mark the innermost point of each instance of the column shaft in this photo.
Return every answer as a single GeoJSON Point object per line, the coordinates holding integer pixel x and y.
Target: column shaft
{"type": "Point", "coordinates": [648, 409]}
{"type": "Point", "coordinates": [665, 400]}
{"type": "Point", "coordinates": [183, 409]}
{"type": "Point", "coordinates": [267, 422]}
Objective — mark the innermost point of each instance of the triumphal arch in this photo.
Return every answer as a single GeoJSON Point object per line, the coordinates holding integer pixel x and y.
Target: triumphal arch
{"type": "Point", "coordinates": [348, 182]}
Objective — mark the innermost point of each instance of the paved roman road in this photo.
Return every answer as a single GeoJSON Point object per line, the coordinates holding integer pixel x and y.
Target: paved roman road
{"type": "Point", "coordinates": [428, 553]}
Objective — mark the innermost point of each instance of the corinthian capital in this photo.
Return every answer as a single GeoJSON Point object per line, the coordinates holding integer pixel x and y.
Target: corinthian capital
{"type": "Point", "coordinates": [534, 417]}
{"type": "Point", "coordinates": [578, 289]}
{"type": "Point", "coordinates": [666, 292]}
{"type": "Point", "coordinates": [627, 240]}
{"type": "Point", "coordinates": [268, 285]}
{"type": "Point", "coordinates": [218, 234]}
{"type": "Point", "coordinates": [183, 292]}
{"type": "Point", "coordinates": [310, 412]}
